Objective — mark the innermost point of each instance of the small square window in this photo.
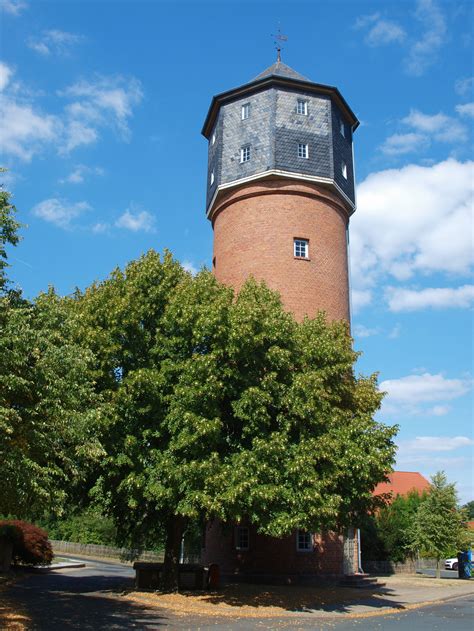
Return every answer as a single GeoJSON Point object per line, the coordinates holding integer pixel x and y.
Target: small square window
{"type": "Point", "coordinates": [302, 150]}
{"type": "Point", "coordinates": [342, 128]}
{"type": "Point", "coordinates": [304, 541]}
{"type": "Point", "coordinates": [245, 154]}
{"type": "Point", "coordinates": [242, 538]}
{"type": "Point", "coordinates": [212, 178]}
{"type": "Point", "coordinates": [344, 170]}
{"type": "Point", "coordinates": [245, 111]}
{"type": "Point", "coordinates": [302, 107]}
{"type": "Point", "coordinates": [301, 248]}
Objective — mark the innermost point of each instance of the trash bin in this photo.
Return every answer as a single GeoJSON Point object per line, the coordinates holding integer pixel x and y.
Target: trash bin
{"type": "Point", "coordinates": [464, 565]}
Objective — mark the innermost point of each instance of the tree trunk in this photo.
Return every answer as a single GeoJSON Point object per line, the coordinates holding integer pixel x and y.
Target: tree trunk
{"type": "Point", "coordinates": [174, 534]}
{"type": "Point", "coordinates": [438, 569]}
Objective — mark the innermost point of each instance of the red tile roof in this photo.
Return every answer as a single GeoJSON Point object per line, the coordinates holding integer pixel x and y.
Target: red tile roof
{"type": "Point", "coordinates": [402, 482]}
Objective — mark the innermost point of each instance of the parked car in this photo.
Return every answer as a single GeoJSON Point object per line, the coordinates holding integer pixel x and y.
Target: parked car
{"type": "Point", "coordinates": [451, 564]}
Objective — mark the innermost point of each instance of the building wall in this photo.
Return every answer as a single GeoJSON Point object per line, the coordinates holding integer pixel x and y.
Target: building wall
{"type": "Point", "coordinates": [254, 228]}
{"type": "Point", "coordinates": [278, 558]}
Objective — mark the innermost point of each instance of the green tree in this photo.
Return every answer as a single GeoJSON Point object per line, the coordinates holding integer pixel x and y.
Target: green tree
{"type": "Point", "coordinates": [439, 525]}
{"type": "Point", "coordinates": [48, 407]}
{"type": "Point", "coordinates": [9, 227]}
{"type": "Point", "coordinates": [223, 406]}
{"type": "Point", "coordinates": [469, 508]}
{"type": "Point", "coordinates": [386, 534]}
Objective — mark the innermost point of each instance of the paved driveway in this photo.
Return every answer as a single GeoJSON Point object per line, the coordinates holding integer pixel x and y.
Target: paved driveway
{"type": "Point", "coordinates": [87, 598]}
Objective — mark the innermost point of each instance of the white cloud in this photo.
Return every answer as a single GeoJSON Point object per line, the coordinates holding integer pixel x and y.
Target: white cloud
{"type": "Point", "coordinates": [100, 227]}
{"type": "Point", "coordinates": [439, 410]}
{"type": "Point", "coordinates": [426, 388]}
{"type": "Point", "coordinates": [439, 126]}
{"type": "Point", "coordinates": [190, 267]}
{"type": "Point", "coordinates": [79, 173]}
{"type": "Point", "coordinates": [54, 42]}
{"type": "Point", "coordinates": [5, 74]}
{"type": "Point", "coordinates": [360, 330]}
{"type": "Point", "coordinates": [401, 299]}
{"type": "Point", "coordinates": [436, 443]}
{"type": "Point", "coordinates": [409, 220]}
{"type": "Point", "coordinates": [464, 86]}
{"type": "Point", "coordinates": [379, 30]}
{"type": "Point", "coordinates": [25, 130]}
{"type": "Point", "coordinates": [360, 298]}
{"type": "Point", "coordinates": [424, 50]}
{"type": "Point", "coordinates": [136, 221]}
{"type": "Point", "coordinates": [75, 134]}
{"type": "Point", "coordinates": [60, 212]}
{"type": "Point", "coordinates": [466, 110]}
{"type": "Point", "coordinates": [104, 100]}
{"type": "Point", "coordinates": [13, 7]}
{"type": "Point", "coordinates": [399, 144]}
{"type": "Point", "coordinates": [395, 332]}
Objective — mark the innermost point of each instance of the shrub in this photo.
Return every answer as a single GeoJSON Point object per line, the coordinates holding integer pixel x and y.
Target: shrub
{"type": "Point", "coordinates": [30, 543]}
{"type": "Point", "coordinates": [87, 526]}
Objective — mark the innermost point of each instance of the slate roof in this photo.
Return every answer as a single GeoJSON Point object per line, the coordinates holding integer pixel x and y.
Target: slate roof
{"type": "Point", "coordinates": [402, 482]}
{"type": "Point", "coordinates": [279, 69]}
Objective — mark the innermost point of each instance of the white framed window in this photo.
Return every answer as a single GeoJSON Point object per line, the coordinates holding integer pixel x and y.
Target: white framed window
{"type": "Point", "coordinates": [302, 150]}
{"type": "Point", "coordinates": [245, 111]}
{"type": "Point", "coordinates": [342, 128]}
{"type": "Point", "coordinates": [304, 541]}
{"type": "Point", "coordinates": [245, 153]}
{"type": "Point", "coordinates": [344, 170]}
{"type": "Point", "coordinates": [302, 107]}
{"type": "Point", "coordinates": [214, 138]}
{"type": "Point", "coordinates": [301, 248]}
{"type": "Point", "coordinates": [242, 539]}
{"type": "Point", "coordinates": [212, 178]}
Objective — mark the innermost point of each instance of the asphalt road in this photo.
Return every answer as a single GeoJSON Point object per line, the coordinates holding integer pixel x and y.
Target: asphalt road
{"type": "Point", "coordinates": [86, 599]}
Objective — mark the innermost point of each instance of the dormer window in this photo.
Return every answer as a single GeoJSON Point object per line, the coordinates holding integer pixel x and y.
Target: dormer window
{"type": "Point", "coordinates": [214, 138]}
{"type": "Point", "coordinates": [302, 150]}
{"type": "Point", "coordinates": [344, 170]}
{"type": "Point", "coordinates": [302, 107]}
{"type": "Point", "coordinates": [342, 128]}
{"type": "Point", "coordinates": [245, 111]}
{"type": "Point", "coordinates": [212, 178]}
{"type": "Point", "coordinates": [245, 154]}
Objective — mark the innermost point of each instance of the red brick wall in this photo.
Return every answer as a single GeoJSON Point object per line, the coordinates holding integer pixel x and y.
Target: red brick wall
{"type": "Point", "coordinates": [267, 555]}
{"type": "Point", "coordinates": [254, 227]}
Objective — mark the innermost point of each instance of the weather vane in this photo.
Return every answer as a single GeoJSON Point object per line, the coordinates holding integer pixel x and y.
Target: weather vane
{"type": "Point", "coordinates": [279, 38]}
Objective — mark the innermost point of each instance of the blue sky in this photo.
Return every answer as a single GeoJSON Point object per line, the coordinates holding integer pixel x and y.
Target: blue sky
{"type": "Point", "coordinates": [101, 110]}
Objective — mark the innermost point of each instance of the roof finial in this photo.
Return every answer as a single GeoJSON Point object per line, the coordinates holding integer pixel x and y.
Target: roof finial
{"type": "Point", "coordinates": [279, 37]}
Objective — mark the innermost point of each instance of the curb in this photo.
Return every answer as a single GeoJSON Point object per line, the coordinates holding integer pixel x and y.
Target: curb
{"type": "Point", "coordinates": [60, 566]}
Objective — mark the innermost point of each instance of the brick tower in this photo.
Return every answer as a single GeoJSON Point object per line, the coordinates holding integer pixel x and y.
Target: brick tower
{"type": "Point", "coordinates": [280, 194]}
{"type": "Point", "coordinates": [281, 189]}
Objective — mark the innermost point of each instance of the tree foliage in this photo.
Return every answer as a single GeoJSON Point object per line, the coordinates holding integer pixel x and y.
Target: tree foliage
{"type": "Point", "coordinates": [439, 525]}
{"type": "Point", "coordinates": [469, 508]}
{"type": "Point", "coordinates": [9, 227]}
{"type": "Point", "coordinates": [48, 407]}
{"type": "Point", "coordinates": [223, 406]}
{"type": "Point", "coordinates": [386, 534]}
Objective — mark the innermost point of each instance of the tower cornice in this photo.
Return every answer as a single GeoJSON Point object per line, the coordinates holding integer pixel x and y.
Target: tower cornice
{"type": "Point", "coordinates": [327, 183]}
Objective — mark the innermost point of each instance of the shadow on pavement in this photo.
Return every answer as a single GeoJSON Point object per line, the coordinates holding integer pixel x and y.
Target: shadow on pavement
{"type": "Point", "coordinates": [300, 599]}
{"type": "Point", "coordinates": [62, 601]}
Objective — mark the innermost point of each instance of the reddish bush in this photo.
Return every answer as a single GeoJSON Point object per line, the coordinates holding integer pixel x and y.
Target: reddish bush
{"type": "Point", "coordinates": [30, 545]}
